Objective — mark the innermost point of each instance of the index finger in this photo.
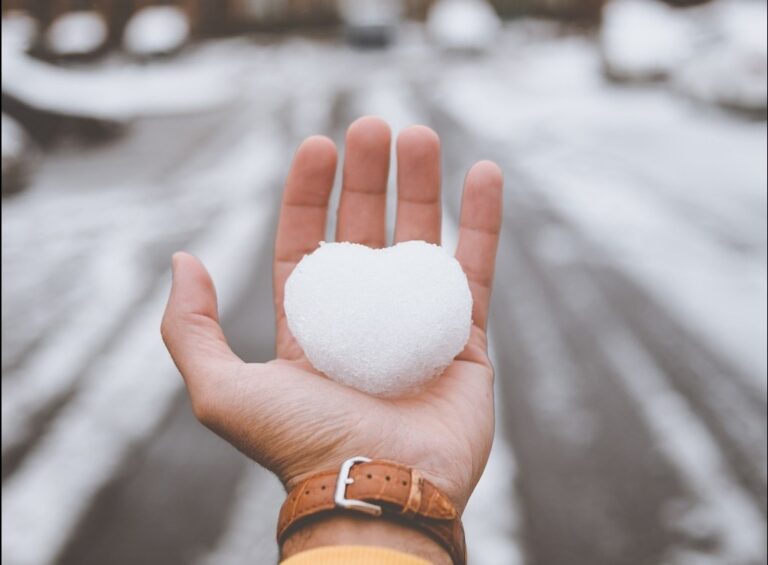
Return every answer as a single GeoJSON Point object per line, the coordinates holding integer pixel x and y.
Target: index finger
{"type": "Point", "coordinates": [303, 214]}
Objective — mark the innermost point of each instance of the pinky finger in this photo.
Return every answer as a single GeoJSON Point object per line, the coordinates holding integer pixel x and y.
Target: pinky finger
{"type": "Point", "coordinates": [479, 231]}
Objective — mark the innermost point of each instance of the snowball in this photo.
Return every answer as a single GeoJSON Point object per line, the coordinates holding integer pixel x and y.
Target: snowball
{"type": "Point", "coordinates": [384, 321]}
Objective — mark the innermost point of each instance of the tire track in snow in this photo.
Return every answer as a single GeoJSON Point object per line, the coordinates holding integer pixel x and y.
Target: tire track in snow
{"type": "Point", "coordinates": [716, 489]}
{"type": "Point", "coordinates": [57, 482]}
{"type": "Point", "coordinates": [736, 525]}
{"type": "Point", "coordinates": [51, 375]}
{"type": "Point", "coordinates": [216, 526]}
{"type": "Point", "coordinates": [730, 410]}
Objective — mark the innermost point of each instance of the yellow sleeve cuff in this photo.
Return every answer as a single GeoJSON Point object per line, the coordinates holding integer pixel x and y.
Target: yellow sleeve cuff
{"type": "Point", "coordinates": [353, 555]}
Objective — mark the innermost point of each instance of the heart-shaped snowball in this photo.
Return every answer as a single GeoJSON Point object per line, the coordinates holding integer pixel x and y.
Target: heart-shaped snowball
{"type": "Point", "coordinates": [384, 321]}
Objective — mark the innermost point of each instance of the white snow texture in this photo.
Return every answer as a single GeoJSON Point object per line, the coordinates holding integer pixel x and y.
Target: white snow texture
{"type": "Point", "coordinates": [156, 29]}
{"type": "Point", "coordinates": [77, 33]}
{"type": "Point", "coordinates": [384, 321]}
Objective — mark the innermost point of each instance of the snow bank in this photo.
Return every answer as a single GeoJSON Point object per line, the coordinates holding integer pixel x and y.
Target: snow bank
{"type": "Point", "coordinates": [118, 92]}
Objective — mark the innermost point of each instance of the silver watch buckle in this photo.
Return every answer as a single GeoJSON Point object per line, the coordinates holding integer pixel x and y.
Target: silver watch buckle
{"type": "Point", "coordinates": [340, 495]}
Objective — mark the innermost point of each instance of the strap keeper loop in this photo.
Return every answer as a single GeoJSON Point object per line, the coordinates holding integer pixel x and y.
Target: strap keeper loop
{"type": "Point", "coordinates": [413, 503]}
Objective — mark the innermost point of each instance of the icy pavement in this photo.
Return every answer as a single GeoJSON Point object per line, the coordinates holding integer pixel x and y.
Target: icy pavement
{"type": "Point", "coordinates": [628, 330]}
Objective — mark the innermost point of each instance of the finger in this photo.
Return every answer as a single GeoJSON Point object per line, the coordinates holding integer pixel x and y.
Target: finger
{"type": "Point", "coordinates": [303, 216]}
{"type": "Point", "coordinates": [479, 233]}
{"type": "Point", "coordinates": [190, 326]}
{"type": "Point", "coordinates": [418, 185]}
{"type": "Point", "coordinates": [362, 207]}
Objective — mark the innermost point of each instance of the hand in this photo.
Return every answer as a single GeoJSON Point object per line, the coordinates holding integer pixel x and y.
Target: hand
{"type": "Point", "coordinates": [287, 416]}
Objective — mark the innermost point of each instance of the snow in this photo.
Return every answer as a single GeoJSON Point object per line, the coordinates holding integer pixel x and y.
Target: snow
{"type": "Point", "coordinates": [95, 431]}
{"type": "Point", "coordinates": [492, 529]}
{"type": "Point", "coordinates": [727, 75]}
{"type": "Point", "coordinates": [732, 70]}
{"type": "Point", "coordinates": [384, 321]}
{"type": "Point", "coordinates": [720, 503]}
{"type": "Point", "coordinates": [156, 29]}
{"type": "Point", "coordinates": [77, 33]}
{"type": "Point", "coordinates": [120, 92]}
{"type": "Point", "coordinates": [16, 158]}
{"type": "Point", "coordinates": [463, 25]}
{"type": "Point", "coordinates": [53, 371]}
{"type": "Point", "coordinates": [246, 533]}
{"type": "Point", "coordinates": [19, 30]}
{"type": "Point", "coordinates": [717, 293]}
{"type": "Point", "coordinates": [723, 505]}
{"type": "Point", "coordinates": [716, 53]}
{"type": "Point", "coordinates": [13, 138]}
{"type": "Point", "coordinates": [644, 39]}
{"type": "Point", "coordinates": [665, 193]}
{"type": "Point", "coordinates": [742, 22]}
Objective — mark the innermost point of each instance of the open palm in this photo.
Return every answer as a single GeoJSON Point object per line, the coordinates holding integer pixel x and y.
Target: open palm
{"type": "Point", "coordinates": [286, 415]}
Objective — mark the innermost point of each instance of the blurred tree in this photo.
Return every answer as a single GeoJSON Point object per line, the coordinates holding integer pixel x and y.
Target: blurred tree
{"type": "Point", "coordinates": [566, 9]}
{"type": "Point", "coordinates": [215, 17]}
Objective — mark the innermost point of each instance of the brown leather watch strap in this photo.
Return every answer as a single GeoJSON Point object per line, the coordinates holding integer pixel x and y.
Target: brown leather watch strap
{"type": "Point", "coordinates": [377, 488]}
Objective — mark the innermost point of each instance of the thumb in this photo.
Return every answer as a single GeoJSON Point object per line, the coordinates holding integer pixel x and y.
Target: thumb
{"type": "Point", "coordinates": [190, 326]}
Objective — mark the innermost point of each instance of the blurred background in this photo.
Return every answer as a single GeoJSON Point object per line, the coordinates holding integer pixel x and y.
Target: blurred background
{"type": "Point", "coordinates": [629, 319]}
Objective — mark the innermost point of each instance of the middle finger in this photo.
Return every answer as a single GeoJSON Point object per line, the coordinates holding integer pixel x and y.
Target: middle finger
{"type": "Point", "coordinates": [362, 208]}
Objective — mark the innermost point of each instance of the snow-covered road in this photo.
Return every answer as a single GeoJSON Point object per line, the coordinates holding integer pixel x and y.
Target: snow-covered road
{"type": "Point", "coordinates": [628, 327]}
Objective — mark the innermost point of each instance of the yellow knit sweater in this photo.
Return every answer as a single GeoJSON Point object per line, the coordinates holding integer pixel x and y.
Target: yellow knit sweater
{"type": "Point", "coordinates": [353, 555]}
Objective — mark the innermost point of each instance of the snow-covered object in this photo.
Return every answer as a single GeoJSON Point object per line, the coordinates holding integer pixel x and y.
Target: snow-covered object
{"type": "Point", "coordinates": [732, 71]}
{"type": "Point", "coordinates": [13, 138]}
{"type": "Point", "coordinates": [728, 76]}
{"type": "Point", "coordinates": [156, 30]}
{"type": "Point", "coordinates": [384, 321]}
{"type": "Point", "coordinates": [80, 32]}
{"type": "Point", "coordinates": [119, 92]}
{"type": "Point", "coordinates": [19, 30]}
{"type": "Point", "coordinates": [15, 157]}
{"type": "Point", "coordinates": [463, 25]}
{"type": "Point", "coordinates": [743, 23]}
{"type": "Point", "coordinates": [644, 39]}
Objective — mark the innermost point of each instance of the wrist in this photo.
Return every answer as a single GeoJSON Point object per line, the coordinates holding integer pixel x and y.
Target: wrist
{"type": "Point", "coordinates": [323, 531]}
